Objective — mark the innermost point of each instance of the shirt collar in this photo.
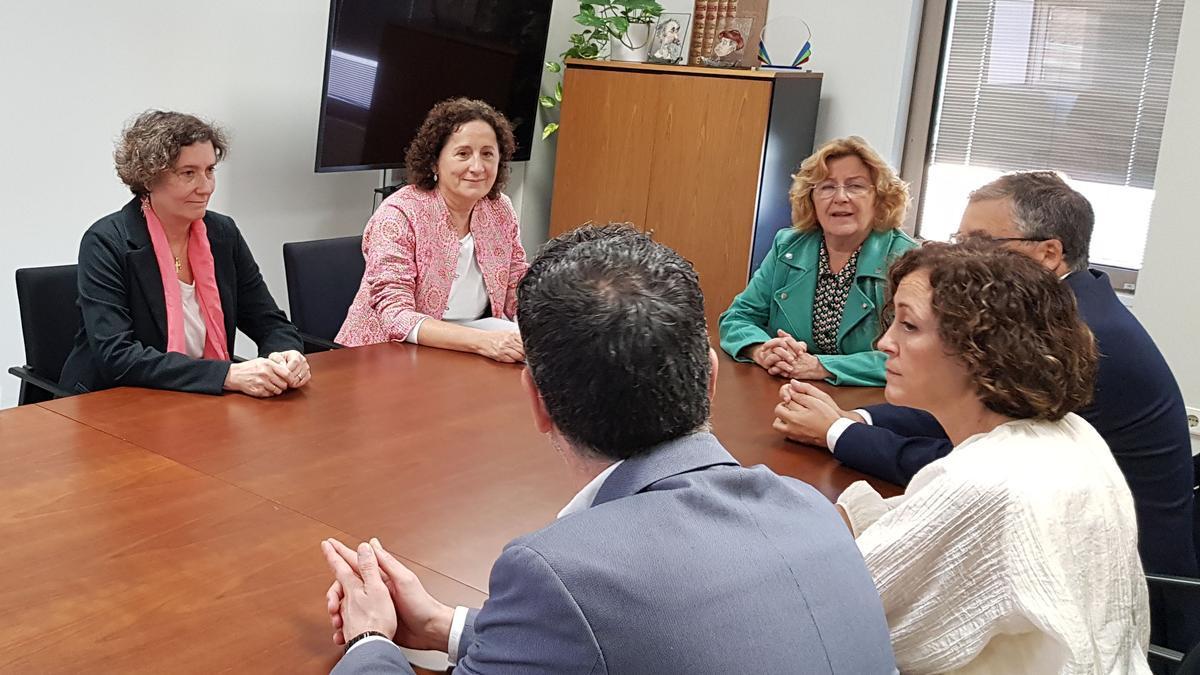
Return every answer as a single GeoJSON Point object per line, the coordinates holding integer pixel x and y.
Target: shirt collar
{"type": "Point", "coordinates": [583, 499]}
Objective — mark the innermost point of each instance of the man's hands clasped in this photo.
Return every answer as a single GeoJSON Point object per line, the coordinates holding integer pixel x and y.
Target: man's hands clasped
{"type": "Point", "coordinates": [373, 591]}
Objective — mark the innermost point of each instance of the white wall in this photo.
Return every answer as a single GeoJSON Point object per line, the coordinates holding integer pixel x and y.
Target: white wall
{"type": "Point", "coordinates": [74, 72]}
{"type": "Point", "coordinates": [1168, 295]}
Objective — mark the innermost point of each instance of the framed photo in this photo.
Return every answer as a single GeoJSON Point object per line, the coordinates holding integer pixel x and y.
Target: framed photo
{"type": "Point", "coordinates": [667, 45]}
{"type": "Point", "coordinates": [732, 41]}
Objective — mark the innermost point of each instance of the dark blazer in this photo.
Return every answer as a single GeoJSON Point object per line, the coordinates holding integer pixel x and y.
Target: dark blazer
{"type": "Point", "coordinates": [123, 338]}
{"type": "Point", "coordinates": [686, 562]}
{"type": "Point", "coordinates": [1137, 408]}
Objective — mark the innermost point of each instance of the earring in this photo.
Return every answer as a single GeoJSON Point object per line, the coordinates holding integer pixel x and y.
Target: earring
{"type": "Point", "coordinates": [435, 177]}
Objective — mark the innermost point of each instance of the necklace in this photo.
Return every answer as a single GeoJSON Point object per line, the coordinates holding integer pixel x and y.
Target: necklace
{"type": "Point", "coordinates": [178, 265]}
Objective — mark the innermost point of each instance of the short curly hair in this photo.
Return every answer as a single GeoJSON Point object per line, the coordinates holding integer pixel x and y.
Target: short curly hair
{"type": "Point", "coordinates": [891, 193]}
{"type": "Point", "coordinates": [420, 160]}
{"type": "Point", "coordinates": [150, 144]}
{"type": "Point", "coordinates": [1013, 324]}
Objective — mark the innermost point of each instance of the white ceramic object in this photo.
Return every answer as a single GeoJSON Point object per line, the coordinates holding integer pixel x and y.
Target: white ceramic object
{"type": "Point", "coordinates": [634, 46]}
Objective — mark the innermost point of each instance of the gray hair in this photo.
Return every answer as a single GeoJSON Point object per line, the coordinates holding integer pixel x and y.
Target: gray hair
{"type": "Point", "coordinates": [1045, 207]}
{"type": "Point", "coordinates": [151, 144]}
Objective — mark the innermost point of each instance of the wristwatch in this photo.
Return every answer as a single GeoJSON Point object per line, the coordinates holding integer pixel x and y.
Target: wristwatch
{"type": "Point", "coordinates": [365, 634]}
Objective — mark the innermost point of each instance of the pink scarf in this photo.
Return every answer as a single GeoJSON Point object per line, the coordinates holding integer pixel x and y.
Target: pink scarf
{"type": "Point", "coordinates": [204, 275]}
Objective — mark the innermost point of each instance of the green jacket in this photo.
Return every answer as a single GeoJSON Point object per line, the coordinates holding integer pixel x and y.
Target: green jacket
{"type": "Point", "coordinates": [780, 296]}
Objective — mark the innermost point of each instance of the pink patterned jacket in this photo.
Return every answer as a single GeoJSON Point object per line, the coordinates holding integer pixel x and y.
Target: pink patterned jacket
{"type": "Point", "coordinates": [411, 252]}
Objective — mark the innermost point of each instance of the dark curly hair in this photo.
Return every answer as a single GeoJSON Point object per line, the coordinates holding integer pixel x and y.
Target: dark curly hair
{"type": "Point", "coordinates": [151, 144]}
{"type": "Point", "coordinates": [1013, 324]}
{"type": "Point", "coordinates": [420, 161]}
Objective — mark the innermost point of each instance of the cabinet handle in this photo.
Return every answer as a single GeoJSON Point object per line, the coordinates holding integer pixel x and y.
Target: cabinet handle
{"type": "Point", "coordinates": [650, 233]}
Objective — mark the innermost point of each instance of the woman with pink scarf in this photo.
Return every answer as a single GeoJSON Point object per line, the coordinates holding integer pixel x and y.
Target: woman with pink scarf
{"type": "Point", "coordinates": [164, 283]}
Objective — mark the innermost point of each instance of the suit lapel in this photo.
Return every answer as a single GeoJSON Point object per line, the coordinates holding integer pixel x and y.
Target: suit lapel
{"type": "Point", "coordinates": [871, 270]}
{"type": "Point", "coordinates": [681, 455]}
{"type": "Point", "coordinates": [485, 230]}
{"type": "Point", "coordinates": [142, 261]}
{"type": "Point", "coordinates": [794, 295]}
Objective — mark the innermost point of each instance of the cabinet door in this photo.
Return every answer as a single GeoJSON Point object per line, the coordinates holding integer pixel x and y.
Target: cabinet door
{"type": "Point", "coordinates": [602, 166]}
{"type": "Point", "coordinates": [704, 177]}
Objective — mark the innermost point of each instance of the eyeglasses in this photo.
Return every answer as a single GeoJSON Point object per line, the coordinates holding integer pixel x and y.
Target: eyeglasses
{"type": "Point", "coordinates": [960, 237]}
{"type": "Point", "coordinates": [852, 190]}
{"type": "Point", "coordinates": [191, 176]}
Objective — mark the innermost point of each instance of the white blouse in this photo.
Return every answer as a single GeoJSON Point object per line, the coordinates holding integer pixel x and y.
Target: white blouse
{"type": "Point", "coordinates": [194, 330]}
{"type": "Point", "coordinates": [468, 294]}
{"type": "Point", "coordinates": [1016, 553]}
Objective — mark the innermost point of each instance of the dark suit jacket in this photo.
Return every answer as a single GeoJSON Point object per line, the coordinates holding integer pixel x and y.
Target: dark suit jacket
{"type": "Point", "coordinates": [123, 338]}
{"type": "Point", "coordinates": [684, 563]}
{"type": "Point", "coordinates": [1137, 408]}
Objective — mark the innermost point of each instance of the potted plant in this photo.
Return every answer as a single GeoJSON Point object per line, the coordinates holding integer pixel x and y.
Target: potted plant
{"type": "Point", "coordinates": [627, 23]}
{"type": "Point", "coordinates": [624, 26]}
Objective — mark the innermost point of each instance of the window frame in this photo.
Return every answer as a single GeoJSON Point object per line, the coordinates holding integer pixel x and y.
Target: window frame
{"type": "Point", "coordinates": [932, 43]}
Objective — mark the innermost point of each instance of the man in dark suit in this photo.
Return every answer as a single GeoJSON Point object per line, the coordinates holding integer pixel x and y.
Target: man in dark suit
{"type": "Point", "coordinates": [672, 557]}
{"type": "Point", "coordinates": [1137, 407]}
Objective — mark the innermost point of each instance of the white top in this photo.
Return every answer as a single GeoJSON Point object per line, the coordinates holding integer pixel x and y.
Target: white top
{"type": "Point", "coordinates": [1015, 553]}
{"type": "Point", "coordinates": [194, 331]}
{"type": "Point", "coordinates": [468, 294]}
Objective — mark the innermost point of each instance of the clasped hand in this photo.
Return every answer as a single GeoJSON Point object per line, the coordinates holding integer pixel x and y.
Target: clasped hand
{"type": "Point", "coordinates": [270, 376]}
{"type": "Point", "coordinates": [372, 590]}
{"type": "Point", "coordinates": [805, 413]}
{"type": "Point", "coordinates": [502, 346]}
{"type": "Point", "coordinates": [785, 356]}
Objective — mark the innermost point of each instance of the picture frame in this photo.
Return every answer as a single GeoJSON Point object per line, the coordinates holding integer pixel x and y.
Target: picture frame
{"type": "Point", "coordinates": [732, 41]}
{"type": "Point", "coordinates": [668, 44]}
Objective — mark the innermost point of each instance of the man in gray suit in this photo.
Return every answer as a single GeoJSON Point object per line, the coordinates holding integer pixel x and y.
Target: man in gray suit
{"type": "Point", "coordinates": [672, 558]}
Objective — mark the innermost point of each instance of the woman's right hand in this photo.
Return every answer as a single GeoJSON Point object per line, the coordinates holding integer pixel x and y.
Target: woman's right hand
{"type": "Point", "coordinates": [502, 346]}
{"type": "Point", "coordinates": [259, 377]}
{"type": "Point", "coordinates": [778, 355]}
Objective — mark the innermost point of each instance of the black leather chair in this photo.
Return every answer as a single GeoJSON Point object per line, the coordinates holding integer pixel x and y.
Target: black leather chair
{"type": "Point", "coordinates": [1171, 661]}
{"type": "Point", "coordinates": [49, 320]}
{"type": "Point", "coordinates": [322, 278]}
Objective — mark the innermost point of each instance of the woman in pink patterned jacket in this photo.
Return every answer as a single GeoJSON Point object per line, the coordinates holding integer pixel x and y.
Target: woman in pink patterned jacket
{"type": "Point", "coordinates": [445, 251]}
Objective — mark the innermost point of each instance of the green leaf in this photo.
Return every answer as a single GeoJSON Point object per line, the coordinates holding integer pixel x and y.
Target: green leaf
{"type": "Point", "coordinates": [590, 20]}
{"type": "Point", "coordinates": [557, 93]}
{"type": "Point", "coordinates": [547, 102]}
{"type": "Point", "coordinates": [550, 129]}
{"type": "Point", "coordinates": [554, 66]}
{"type": "Point", "coordinates": [619, 26]}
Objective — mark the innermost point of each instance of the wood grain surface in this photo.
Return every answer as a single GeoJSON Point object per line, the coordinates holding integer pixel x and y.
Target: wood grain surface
{"type": "Point", "coordinates": [158, 531]}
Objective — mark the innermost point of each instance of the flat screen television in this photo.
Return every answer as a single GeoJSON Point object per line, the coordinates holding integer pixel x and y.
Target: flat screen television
{"type": "Point", "coordinates": [388, 61]}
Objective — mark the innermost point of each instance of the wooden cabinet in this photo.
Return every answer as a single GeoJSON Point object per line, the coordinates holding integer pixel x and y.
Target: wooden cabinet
{"type": "Point", "coordinates": [700, 157]}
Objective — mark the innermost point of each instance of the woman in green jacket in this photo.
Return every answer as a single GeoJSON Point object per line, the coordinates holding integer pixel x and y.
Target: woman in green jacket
{"type": "Point", "coordinates": [811, 311]}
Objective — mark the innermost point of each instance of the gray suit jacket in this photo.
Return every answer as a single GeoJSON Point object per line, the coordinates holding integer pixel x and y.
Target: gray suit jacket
{"type": "Point", "coordinates": [686, 562]}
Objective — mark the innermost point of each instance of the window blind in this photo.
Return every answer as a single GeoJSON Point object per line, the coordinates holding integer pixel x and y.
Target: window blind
{"type": "Point", "coordinates": [1079, 86]}
{"type": "Point", "coordinates": [1075, 85]}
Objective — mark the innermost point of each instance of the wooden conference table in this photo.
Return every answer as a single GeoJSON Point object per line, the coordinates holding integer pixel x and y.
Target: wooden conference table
{"type": "Point", "coordinates": [157, 531]}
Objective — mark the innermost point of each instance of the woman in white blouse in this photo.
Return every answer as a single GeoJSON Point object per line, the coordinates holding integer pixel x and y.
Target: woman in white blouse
{"type": "Point", "coordinates": [1017, 552]}
{"type": "Point", "coordinates": [443, 254]}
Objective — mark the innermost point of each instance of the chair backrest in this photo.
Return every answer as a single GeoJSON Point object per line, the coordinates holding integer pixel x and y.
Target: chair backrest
{"type": "Point", "coordinates": [49, 316]}
{"type": "Point", "coordinates": [322, 279]}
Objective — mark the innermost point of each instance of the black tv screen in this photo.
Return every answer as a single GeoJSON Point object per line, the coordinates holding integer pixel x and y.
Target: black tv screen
{"type": "Point", "coordinates": [388, 61]}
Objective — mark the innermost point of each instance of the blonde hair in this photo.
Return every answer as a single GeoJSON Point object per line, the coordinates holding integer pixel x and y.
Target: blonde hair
{"type": "Point", "coordinates": [891, 193]}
